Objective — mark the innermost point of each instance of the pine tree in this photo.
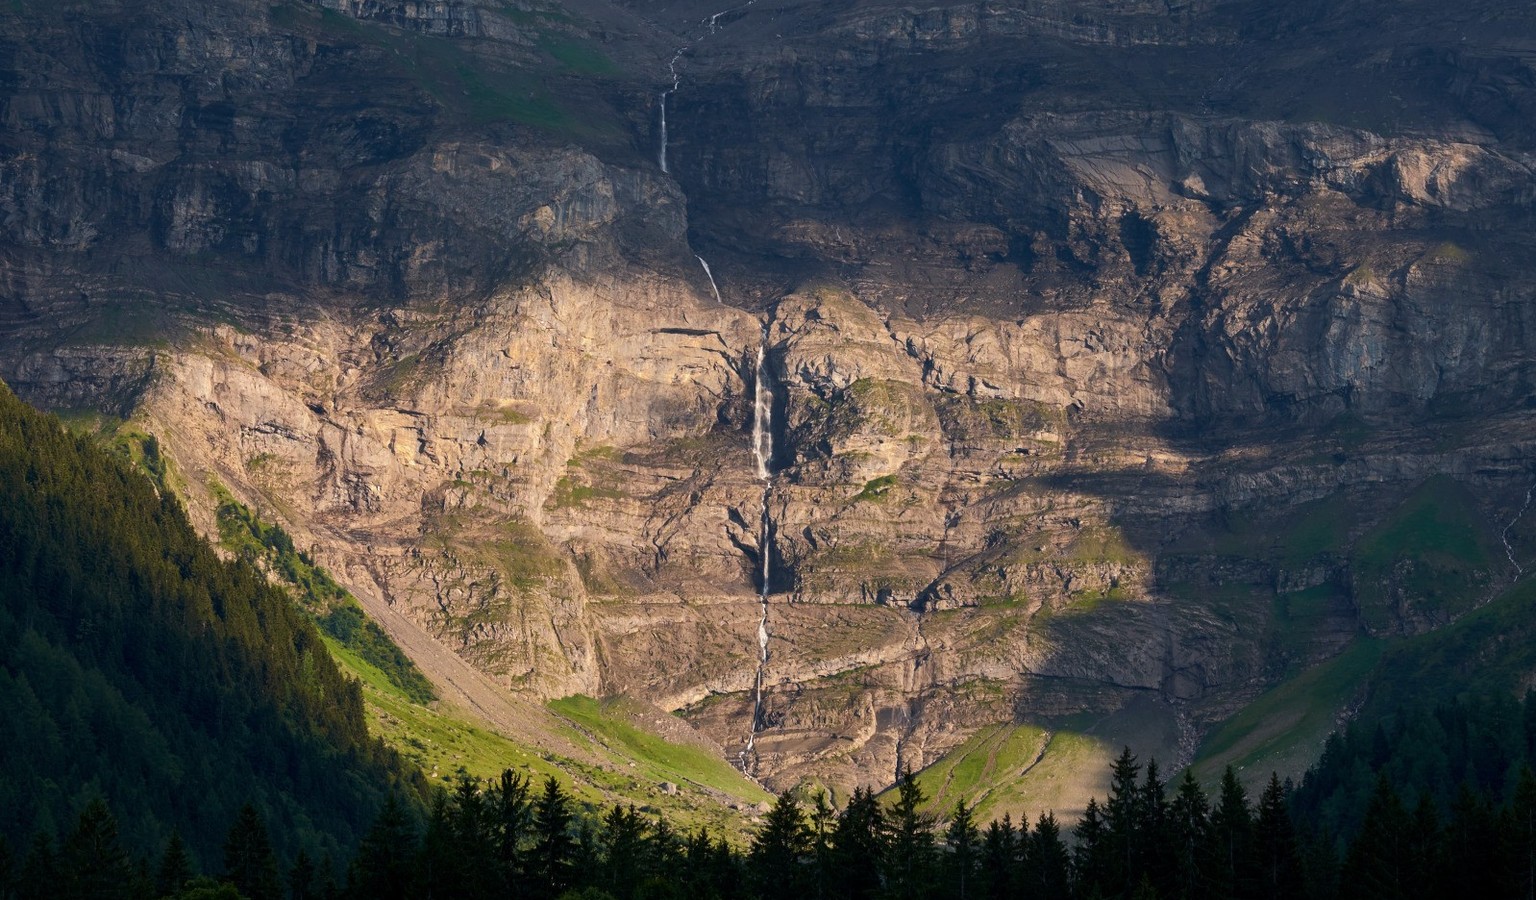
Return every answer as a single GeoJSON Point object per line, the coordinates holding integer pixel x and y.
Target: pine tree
{"type": "Point", "coordinates": [551, 857]}
{"type": "Point", "coordinates": [249, 863]}
{"type": "Point", "coordinates": [385, 865]}
{"type": "Point", "coordinates": [962, 840]}
{"type": "Point", "coordinates": [92, 862]}
{"type": "Point", "coordinates": [909, 866]}
{"type": "Point", "coordinates": [1050, 865]}
{"type": "Point", "coordinates": [175, 866]}
{"type": "Point", "coordinates": [1278, 874]}
{"type": "Point", "coordinates": [778, 851]}
{"type": "Point", "coordinates": [859, 847]}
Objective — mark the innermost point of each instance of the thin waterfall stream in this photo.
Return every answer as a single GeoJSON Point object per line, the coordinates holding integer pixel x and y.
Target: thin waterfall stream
{"type": "Point", "coordinates": [711, 276]}
{"type": "Point", "coordinates": [762, 420]}
{"type": "Point", "coordinates": [1509, 549]}
{"type": "Point", "coordinates": [762, 452]}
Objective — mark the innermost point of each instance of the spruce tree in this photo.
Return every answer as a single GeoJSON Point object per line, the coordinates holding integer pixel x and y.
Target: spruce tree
{"type": "Point", "coordinates": [474, 840]}
{"type": "Point", "coordinates": [175, 868]}
{"type": "Point", "coordinates": [778, 851]}
{"type": "Point", "coordinates": [385, 865]}
{"type": "Point", "coordinates": [1519, 831]}
{"type": "Point", "coordinates": [909, 871]}
{"type": "Point", "coordinates": [8, 873]}
{"type": "Point", "coordinates": [1229, 869]}
{"type": "Point", "coordinates": [823, 820]}
{"type": "Point", "coordinates": [92, 861]}
{"type": "Point", "coordinates": [623, 839]}
{"type": "Point", "coordinates": [301, 878]}
{"type": "Point", "coordinates": [1472, 845]}
{"type": "Point", "coordinates": [551, 856]}
{"type": "Point", "coordinates": [1050, 865]}
{"type": "Point", "coordinates": [1278, 854]}
{"type": "Point", "coordinates": [1377, 864]}
{"type": "Point", "coordinates": [1189, 828]}
{"type": "Point", "coordinates": [859, 847]}
{"type": "Point", "coordinates": [962, 841]}
{"type": "Point", "coordinates": [249, 863]}
{"type": "Point", "coordinates": [39, 876]}
{"type": "Point", "coordinates": [511, 812]}
{"type": "Point", "coordinates": [1002, 855]}
{"type": "Point", "coordinates": [1122, 827]}
{"type": "Point", "coordinates": [1088, 856]}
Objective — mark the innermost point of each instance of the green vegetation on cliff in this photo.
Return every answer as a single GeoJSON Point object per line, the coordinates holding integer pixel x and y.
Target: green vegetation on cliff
{"type": "Point", "coordinates": [332, 607]}
{"type": "Point", "coordinates": [137, 666]}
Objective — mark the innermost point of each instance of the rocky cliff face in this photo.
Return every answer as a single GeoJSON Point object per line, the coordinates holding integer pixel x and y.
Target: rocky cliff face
{"type": "Point", "coordinates": [1109, 377]}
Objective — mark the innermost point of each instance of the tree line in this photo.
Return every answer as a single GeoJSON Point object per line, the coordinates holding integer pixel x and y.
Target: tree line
{"type": "Point", "coordinates": [507, 838]}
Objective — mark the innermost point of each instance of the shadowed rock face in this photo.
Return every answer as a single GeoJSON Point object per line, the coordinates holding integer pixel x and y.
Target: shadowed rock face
{"type": "Point", "coordinates": [1103, 338]}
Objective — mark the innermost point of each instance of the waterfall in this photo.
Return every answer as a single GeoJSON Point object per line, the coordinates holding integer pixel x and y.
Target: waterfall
{"type": "Point", "coordinates": [711, 22]}
{"type": "Point", "coordinates": [762, 452]}
{"type": "Point", "coordinates": [677, 79]}
{"type": "Point", "coordinates": [1509, 549]}
{"type": "Point", "coordinates": [716, 288]}
{"type": "Point", "coordinates": [762, 414]}
{"type": "Point", "coordinates": [762, 425]}
{"type": "Point", "coordinates": [662, 156]}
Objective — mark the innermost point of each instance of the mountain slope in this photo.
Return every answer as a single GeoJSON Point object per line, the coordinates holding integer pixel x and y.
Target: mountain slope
{"type": "Point", "coordinates": [139, 667]}
{"type": "Point", "coordinates": [1108, 350]}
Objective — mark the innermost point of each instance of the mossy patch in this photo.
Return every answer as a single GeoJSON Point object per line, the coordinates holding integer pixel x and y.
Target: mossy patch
{"type": "Point", "coordinates": [876, 488]}
{"type": "Point", "coordinates": [1433, 553]}
{"type": "Point", "coordinates": [1283, 730]}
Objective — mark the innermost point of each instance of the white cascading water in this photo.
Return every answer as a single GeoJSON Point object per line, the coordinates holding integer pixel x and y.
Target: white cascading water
{"type": "Point", "coordinates": [677, 79]}
{"type": "Point", "coordinates": [762, 424]}
{"type": "Point", "coordinates": [713, 24]}
{"type": "Point", "coordinates": [1509, 549]}
{"type": "Point", "coordinates": [711, 276]}
{"type": "Point", "coordinates": [762, 452]}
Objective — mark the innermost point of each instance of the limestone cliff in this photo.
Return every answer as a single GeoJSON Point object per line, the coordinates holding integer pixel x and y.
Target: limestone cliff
{"type": "Point", "coordinates": [1106, 374]}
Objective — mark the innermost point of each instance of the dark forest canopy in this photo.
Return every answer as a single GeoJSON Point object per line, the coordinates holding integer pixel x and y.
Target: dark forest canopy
{"type": "Point", "coordinates": [138, 667]}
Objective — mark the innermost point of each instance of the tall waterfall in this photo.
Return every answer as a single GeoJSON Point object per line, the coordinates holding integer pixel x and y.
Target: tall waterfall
{"type": "Point", "coordinates": [762, 452]}
{"type": "Point", "coordinates": [762, 423]}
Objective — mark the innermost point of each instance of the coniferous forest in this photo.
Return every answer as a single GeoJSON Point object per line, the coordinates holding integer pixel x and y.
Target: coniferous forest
{"type": "Point", "coordinates": [174, 727]}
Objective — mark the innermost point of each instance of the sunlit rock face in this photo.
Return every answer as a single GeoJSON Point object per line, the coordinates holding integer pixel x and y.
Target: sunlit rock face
{"type": "Point", "coordinates": [1110, 346]}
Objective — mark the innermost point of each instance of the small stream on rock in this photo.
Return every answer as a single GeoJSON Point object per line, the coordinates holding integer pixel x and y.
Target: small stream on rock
{"type": "Point", "coordinates": [1509, 549]}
